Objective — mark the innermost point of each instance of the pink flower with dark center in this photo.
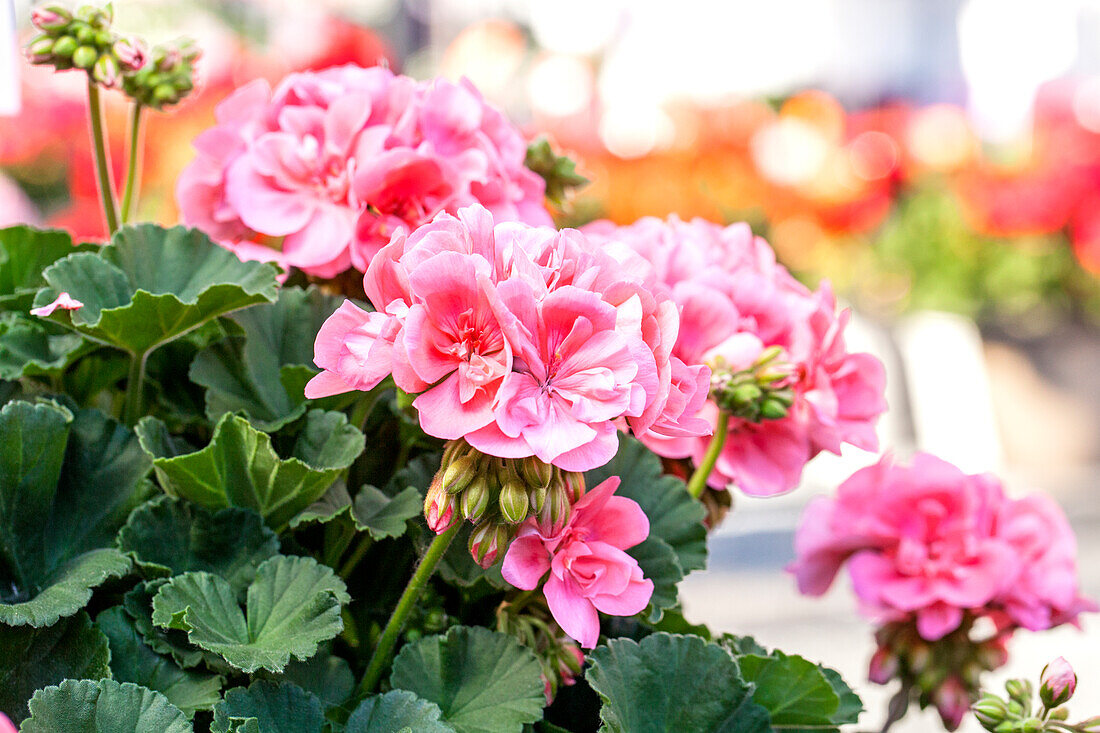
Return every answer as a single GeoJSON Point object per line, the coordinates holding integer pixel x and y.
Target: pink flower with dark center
{"type": "Point", "coordinates": [589, 570]}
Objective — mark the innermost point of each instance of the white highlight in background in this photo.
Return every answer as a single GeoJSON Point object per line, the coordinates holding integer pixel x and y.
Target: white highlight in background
{"type": "Point", "coordinates": [9, 61]}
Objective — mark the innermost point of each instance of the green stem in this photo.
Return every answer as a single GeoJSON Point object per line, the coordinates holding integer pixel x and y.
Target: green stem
{"type": "Point", "coordinates": [102, 166]}
{"type": "Point", "coordinates": [361, 548]}
{"type": "Point", "coordinates": [133, 168]}
{"type": "Point", "coordinates": [388, 639]}
{"type": "Point", "coordinates": [133, 407]}
{"type": "Point", "coordinates": [698, 480]}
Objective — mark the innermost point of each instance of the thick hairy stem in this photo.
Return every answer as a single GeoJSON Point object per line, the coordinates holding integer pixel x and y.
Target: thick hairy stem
{"type": "Point", "coordinates": [133, 170]}
{"type": "Point", "coordinates": [382, 653]}
{"type": "Point", "coordinates": [134, 406]}
{"type": "Point", "coordinates": [698, 481]}
{"type": "Point", "coordinates": [102, 164]}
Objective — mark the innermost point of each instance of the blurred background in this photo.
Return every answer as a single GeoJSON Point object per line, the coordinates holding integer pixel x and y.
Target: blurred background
{"type": "Point", "coordinates": [937, 160]}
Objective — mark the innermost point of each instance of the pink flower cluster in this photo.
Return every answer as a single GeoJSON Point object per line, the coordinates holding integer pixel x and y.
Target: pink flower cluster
{"type": "Point", "coordinates": [522, 340]}
{"type": "Point", "coordinates": [735, 301]}
{"type": "Point", "coordinates": [335, 161]}
{"type": "Point", "coordinates": [929, 542]}
{"type": "Point", "coordinates": [588, 568]}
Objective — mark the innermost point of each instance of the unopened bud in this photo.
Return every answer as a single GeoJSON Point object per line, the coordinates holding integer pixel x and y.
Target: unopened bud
{"type": "Point", "coordinates": [773, 409]}
{"type": "Point", "coordinates": [1057, 683]}
{"type": "Point", "coordinates": [40, 50]}
{"type": "Point", "coordinates": [475, 499]}
{"type": "Point", "coordinates": [555, 511]}
{"type": "Point", "coordinates": [767, 355]}
{"type": "Point", "coordinates": [883, 667]}
{"type": "Point", "coordinates": [744, 394]}
{"type": "Point", "coordinates": [130, 53]}
{"type": "Point", "coordinates": [952, 701]}
{"type": "Point", "coordinates": [537, 497]}
{"type": "Point", "coordinates": [513, 501]}
{"type": "Point", "coordinates": [1020, 691]}
{"type": "Point", "coordinates": [535, 472]}
{"type": "Point", "coordinates": [574, 485]}
{"type": "Point", "coordinates": [50, 17]}
{"type": "Point", "coordinates": [85, 57]}
{"type": "Point", "coordinates": [106, 71]}
{"type": "Point", "coordinates": [459, 474]}
{"type": "Point", "coordinates": [164, 94]}
{"type": "Point", "coordinates": [1058, 714]}
{"type": "Point", "coordinates": [919, 657]}
{"type": "Point", "coordinates": [439, 509]}
{"type": "Point", "coordinates": [64, 47]}
{"type": "Point", "coordinates": [487, 541]}
{"type": "Point", "coordinates": [990, 711]}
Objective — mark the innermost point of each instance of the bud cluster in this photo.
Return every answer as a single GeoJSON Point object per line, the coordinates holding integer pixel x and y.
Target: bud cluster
{"type": "Point", "coordinates": [561, 659]}
{"type": "Point", "coordinates": [1018, 714]}
{"type": "Point", "coordinates": [945, 674]}
{"type": "Point", "coordinates": [497, 495]}
{"type": "Point", "coordinates": [760, 392]}
{"type": "Point", "coordinates": [84, 39]}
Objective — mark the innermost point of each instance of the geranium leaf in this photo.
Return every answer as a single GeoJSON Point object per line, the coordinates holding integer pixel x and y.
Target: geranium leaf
{"type": "Point", "coordinates": [483, 681]}
{"type": "Point", "coordinates": [633, 679]}
{"type": "Point", "coordinates": [31, 348]}
{"type": "Point", "coordinates": [106, 706]}
{"type": "Point", "coordinates": [241, 468]}
{"type": "Point", "coordinates": [673, 515]}
{"type": "Point", "coordinates": [383, 516]}
{"type": "Point", "coordinates": [276, 707]}
{"type": "Point", "coordinates": [67, 482]}
{"type": "Point", "coordinates": [133, 661]}
{"type": "Point", "coordinates": [151, 285]}
{"type": "Point", "coordinates": [326, 675]}
{"type": "Point", "coordinates": [138, 603]}
{"type": "Point", "coordinates": [659, 564]}
{"type": "Point", "coordinates": [847, 713]}
{"type": "Point", "coordinates": [794, 691]}
{"type": "Point", "coordinates": [334, 502]}
{"type": "Point", "coordinates": [292, 606]}
{"type": "Point", "coordinates": [24, 253]}
{"type": "Point", "coordinates": [31, 658]}
{"type": "Point", "coordinates": [168, 536]}
{"type": "Point", "coordinates": [397, 710]}
{"type": "Point", "coordinates": [245, 374]}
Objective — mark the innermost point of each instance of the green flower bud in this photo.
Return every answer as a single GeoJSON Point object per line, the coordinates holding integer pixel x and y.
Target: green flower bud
{"type": "Point", "coordinates": [85, 34]}
{"type": "Point", "coordinates": [85, 57]}
{"type": "Point", "coordinates": [459, 474]}
{"type": "Point", "coordinates": [990, 711]}
{"type": "Point", "coordinates": [574, 485]}
{"type": "Point", "coordinates": [535, 472]}
{"type": "Point", "coordinates": [745, 394]}
{"type": "Point", "coordinates": [488, 541]}
{"type": "Point", "coordinates": [475, 499]}
{"type": "Point", "coordinates": [537, 497]}
{"type": "Point", "coordinates": [64, 47]}
{"type": "Point", "coordinates": [773, 409]}
{"type": "Point", "coordinates": [1032, 725]}
{"type": "Point", "coordinates": [164, 94]}
{"type": "Point", "coordinates": [513, 502]}
{"type": "Point", "coordinates": [768, 354]}
{"type": "Point", "coordinates": [1058, 714]}
{"type": "Point", "coordinates": [50, 17]}
{"type": "Point", "coordinates": [1009, 726]}
{"type": "Point", "coordinates": [1020, 691]}
{"type": "Point", "coordinates": [555, 510]}
{"type": "Point", "coordinates": [106, 71]}
{"type": "Point", "coordinates": [40, 50]}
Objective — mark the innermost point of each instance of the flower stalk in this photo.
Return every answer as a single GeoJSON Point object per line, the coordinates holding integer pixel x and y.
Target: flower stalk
{"type": "Point", "coordinates": [698, 481]}
{"type": "Point", "coordinates": [133, 171]}
{"type": "Point", "coordinates": [102, 162]}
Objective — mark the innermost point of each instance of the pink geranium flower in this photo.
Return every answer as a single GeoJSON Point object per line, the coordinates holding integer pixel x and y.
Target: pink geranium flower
{"type": "Point", "coordinates": [735, 301]}
{"type": "Point", "coordinates": [334, 162]}
{"type": "Point", "coordinates": [927, 541]}
{"type": "Point", "coordinates": [64, 301]}
{"type": "Point", "coordinates": [589, 570]}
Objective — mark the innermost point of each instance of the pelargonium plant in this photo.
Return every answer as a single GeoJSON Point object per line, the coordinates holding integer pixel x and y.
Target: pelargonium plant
{"type": "Point", "coordinates": [375, 447]}
{"type": "Point", "coordinates": [948, 566]}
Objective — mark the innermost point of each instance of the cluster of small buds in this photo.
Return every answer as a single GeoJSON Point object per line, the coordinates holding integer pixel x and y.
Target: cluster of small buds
{"type": "Point", "coordinates": [1019, 714]}
{"type": "Point", "coordinates": [760, 392]}
{"type": "Point", "coordinates": [84, 40]}
{"type": "Point", "coordinates": [497, 495]}
{"type": "Point", "coordinates": [558, 171]}
{"type": "Point", "coordinates": [944, 674]}
{"type": "Point", "coordinates": [533, 626]}
{"type": "Point", "coordinates": [166, 79]}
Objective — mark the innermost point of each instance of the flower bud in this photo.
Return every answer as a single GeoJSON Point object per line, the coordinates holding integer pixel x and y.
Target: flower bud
{"type": "Point", "coordinates": [883, 667]}
{"type": "Point", "coordinates": [1020, 691]}
{"type": "Point", "coordinates": [767, 355]}
{"type": "Point", "coordinates": [574, 485]}
{"type": "Point", "coordinates": [106, 71]}
{"type": "Point", "coordinates": [745, 394]}
{"type": "Point", "coordinates": [487, 541]}
{"type": "Point", "coordinates": [1058, 714]}
{"type": "Point", "coordinates": [555, 511]}
{"type": "Point", "coordinates": [570, 663]}
{"type": "Point", "coordinates": [1092, 725]}
{"type": "Point", "coordinates": [773, 409]}
{"type": "Point", "coordinates": [990, 711]}
{"type": "Point", "coordinates": [475, 499]}
{"type": "Point", "coordinates": [164, 94]}
{"type": "Point", "coordinates": [537, 497]}
{"type": "Point", "coordinates": [64, 47]}
{"type": "Point", "coordinates": [84, 57]}
{"type": "Point", "coordinates": [952, 701]}
{"type": "Point", "coordinates": [513, 501]}
{"type": "Point", "coordinates": [50, 17]}
{"type": "Point", "coordinates": [1057, 683]}
{"type": "Point", "coordinates": [919, 657]}
{"type": "Point", "coordinates": [40, 50]}
{"type": "Point", "coordinates": [459, 474]}
{"type": "Point", "coordinates": [130, 53]}
{"type": "Point", "coordinates": [535, 472]}
{"type": "Point", "coordinates": [439, 508]}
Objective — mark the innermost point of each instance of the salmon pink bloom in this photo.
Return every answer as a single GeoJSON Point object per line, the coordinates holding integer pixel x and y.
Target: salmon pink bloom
{"type": "Point", "coordinates": [589, 570]}
{"type": "Point", "coordinates": [64, 301]}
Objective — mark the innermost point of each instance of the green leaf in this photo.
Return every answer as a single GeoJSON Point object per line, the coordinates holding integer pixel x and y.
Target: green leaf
{"type": "Point", "coordinates": [326, 675]}
{"type": "Point", "coordinates": [670, 682]}
{"type": "Point", "coordinates": [292, 606]}
{"type": "Point", "coordinates": [847, 713]}
{"type": "Point", "coordinates": [673, 515]}
{"type": "Point", "coordinates": [67, 482]}
{"type": "Point", "coordinates": [333, 503]}
{"type": "Point", "coordinates": [30, 348]}
{"type": "Point", "coordinates": [138, 603]}
{"type": "Point", "coordinates": [105, 706]}
{"type": "Point", "coordinates": [658, 563]}
{"type": "Point", "coordinates": [152, 285]}
{"type": "Point", "coordinates": [241, 468]}
{"type": "Point", "coordinates": [483, 681]}
{"type": "Point", "coordinates": [793, 690]}
{"type": "Point", "coordinates": [31, 658]}
{"type": "Point", "coordinates": [382, 516]}
{"type": "Point", "coordinates": [245, 374]}
{"type": "Point", "coordinates": [133, 661]}
{"type": "Point", "coordinates": [276, 707]}
{"type": "Point", "coordinates": [397, 710]}
{"type": "Point", "coordinates": [24, 253]}
{"type": "Point", "coordinates": [168, 536]}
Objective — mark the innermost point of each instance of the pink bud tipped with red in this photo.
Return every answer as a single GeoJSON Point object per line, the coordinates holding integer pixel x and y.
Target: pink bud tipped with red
{"type": "Point", "coordinates": [1057, 683]}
